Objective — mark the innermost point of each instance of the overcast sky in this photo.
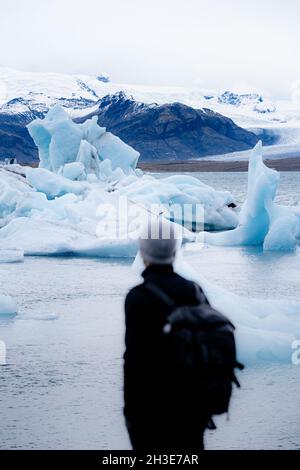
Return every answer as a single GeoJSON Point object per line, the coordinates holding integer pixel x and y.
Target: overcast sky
{"type": "Point", "coordinates": [212, 43]}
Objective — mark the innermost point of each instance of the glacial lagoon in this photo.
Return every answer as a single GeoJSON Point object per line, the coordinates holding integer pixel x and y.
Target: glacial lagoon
{"type": "Point", "coordinates": [62, 384]}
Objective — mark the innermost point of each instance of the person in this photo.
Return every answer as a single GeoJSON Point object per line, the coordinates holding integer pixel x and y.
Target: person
{"type": "Point", "coordinates": [160, 413]}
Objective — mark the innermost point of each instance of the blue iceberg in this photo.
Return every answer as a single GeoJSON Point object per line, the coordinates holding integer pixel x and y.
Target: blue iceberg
{"type": "Point", "coordinates": [261, 220]}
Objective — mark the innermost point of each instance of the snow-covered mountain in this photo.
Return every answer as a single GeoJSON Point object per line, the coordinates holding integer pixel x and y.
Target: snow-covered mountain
{"type": "Point", "coordinates": [46, 88]}
{"type": "Point", "coordinates": [24, 96]}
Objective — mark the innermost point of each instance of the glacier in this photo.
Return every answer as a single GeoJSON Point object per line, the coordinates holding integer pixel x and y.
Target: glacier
{"type": "Point", "coordinates": [261, 220]}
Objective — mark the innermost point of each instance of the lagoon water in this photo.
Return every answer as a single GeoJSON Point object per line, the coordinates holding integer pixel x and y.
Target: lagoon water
{"type": "Point", "coordinates": [62, 385]}
{"type": "Point", "coordinates": [236, 182]}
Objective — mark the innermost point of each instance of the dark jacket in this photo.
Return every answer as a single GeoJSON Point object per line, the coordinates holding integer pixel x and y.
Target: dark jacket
{"type": "Point", "coordinates": [150, 404]}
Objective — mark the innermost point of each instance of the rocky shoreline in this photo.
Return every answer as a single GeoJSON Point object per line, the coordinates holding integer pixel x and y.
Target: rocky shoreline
{"type": "Point", "coordinates": [286, 164]}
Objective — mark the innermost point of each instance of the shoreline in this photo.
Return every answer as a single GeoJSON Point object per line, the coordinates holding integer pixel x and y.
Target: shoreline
{"type": "Point", "coordinates": [286, 164]}
{"type": "Point", "coordinates": [208, 166]}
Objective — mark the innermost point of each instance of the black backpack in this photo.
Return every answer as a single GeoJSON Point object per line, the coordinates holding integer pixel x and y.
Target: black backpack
{"type": "Point", "coordinates": [202, 353]}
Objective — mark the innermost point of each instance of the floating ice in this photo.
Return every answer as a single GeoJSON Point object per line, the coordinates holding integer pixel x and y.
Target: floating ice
{"type": "Point", "coordinates": [7, 305]}
{"type": "Point", "coordinates": [51, 184]}
{"type": "Point", "coordinates": [73, 171]}
{"type": "Point", "coordinates": [261, 220]}
{"type": "Point", "coordinates": [183, 198]}
{"type": "Point", "coordinates": [48, 214]}
{"type": "Point", "coordinates": [11, 256]}
{"type": "Point", "coordinates": [265, 329]}
{"type": "Point", "coordinates": [88, 157]}
{"type": "Point", "coordinates": [12, 190]}
{"type": "Point", "coordinates": [61, 142]}
{"type": "Point", "coordinates": [284, 230]}
{"type": "Point", "coordinates": [37, 316]}
{"type": "Point", "coordinates": [121, 155]}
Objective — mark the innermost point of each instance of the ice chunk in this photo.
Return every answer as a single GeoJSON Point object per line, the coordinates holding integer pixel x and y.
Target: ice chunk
{"type": "Point", "coordinates": [13, 188]}
{"type": "Point", "coordinates": [7, 305]}
{"type": "Point", "coordinates": [73, 171]}
{"type": "Point", "coordinates": [112, 176]}
{"type": "Point", "coordinates": [261, 220]}
{"type": "Point", "coordinates": [57, 138]}
{"type": "Point", "coordinates": [51, 184]}
{"type": "Point", "coordinates": [284, 229]}
{"type": "Point", "coordinates": [185, 198]}
{"type": "Point", "coordinates": [88, 157]}
{"type": "Point", "coordinates": [265, 329]}
{"type": "Point", "coordinates": [61, 141]}
{"type": "Point", "coordinates": [92, 132]}
{"type": "Point", "coordinates": [11, 256]}
{"type": "Point", "coordinates": [106, 248]}
{"type": "Point", "coordinates": [106, 170]}
{"type": "Point", "coordinates": [113, 148]}
{"type": "Point", "coordinates": [41, 237]}
{"type": "Point", "coordinates": [32, 315]}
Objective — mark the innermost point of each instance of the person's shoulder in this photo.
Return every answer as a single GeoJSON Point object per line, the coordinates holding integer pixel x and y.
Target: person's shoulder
{"type": "Point", "coordinates": [135, 296]}
{"type": "Point", "coordinates": [183, 280]}
{"type": "Point", "coordinates": [193, 288]}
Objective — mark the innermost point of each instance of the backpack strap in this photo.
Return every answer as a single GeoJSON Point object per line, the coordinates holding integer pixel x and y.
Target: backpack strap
{"type": "Point", "coordinates": [160, 294]}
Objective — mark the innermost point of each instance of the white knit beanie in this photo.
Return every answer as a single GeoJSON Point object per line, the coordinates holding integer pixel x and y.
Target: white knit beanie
{"type": "Point", "coordinates": [159, 242]}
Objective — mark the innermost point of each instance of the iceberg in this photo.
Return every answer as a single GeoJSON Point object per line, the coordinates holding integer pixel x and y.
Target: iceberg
{"type": "Point", "coordinates": [261, 220]}
{"type": "Point", "coordinates": [184, 199]}
{"type": "Point", "coordinates": [62, 142]}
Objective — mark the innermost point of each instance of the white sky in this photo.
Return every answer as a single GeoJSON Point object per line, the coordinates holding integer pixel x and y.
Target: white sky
{"type": "Point", "coordinates": [250, 44]}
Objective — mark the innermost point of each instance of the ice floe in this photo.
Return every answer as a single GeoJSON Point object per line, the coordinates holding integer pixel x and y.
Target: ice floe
{"type": "Point", "coordinates": [261, 220]}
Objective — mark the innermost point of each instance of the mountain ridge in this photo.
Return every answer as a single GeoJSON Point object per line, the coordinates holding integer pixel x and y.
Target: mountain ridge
{"type": "Point", "coordinates": [25, 96]}
{"type": "Point", "coordinates": [171, 131]}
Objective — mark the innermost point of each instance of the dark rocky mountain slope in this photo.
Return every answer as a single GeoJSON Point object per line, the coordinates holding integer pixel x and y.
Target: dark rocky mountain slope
{"type": "Point", "coordinates": [170, 131]}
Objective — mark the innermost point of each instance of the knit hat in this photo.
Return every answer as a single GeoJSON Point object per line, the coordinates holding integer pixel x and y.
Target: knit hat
{"type": "Point", "coordinates": [159, 242]}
